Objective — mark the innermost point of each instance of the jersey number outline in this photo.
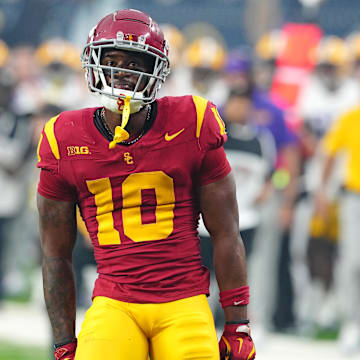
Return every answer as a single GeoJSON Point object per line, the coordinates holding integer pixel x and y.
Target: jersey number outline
{"type": "Point", "coordinates": [133, 228]}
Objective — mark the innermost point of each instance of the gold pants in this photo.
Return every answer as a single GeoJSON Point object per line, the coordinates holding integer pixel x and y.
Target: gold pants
{"type": "Point", "coordinates": [177, 330]}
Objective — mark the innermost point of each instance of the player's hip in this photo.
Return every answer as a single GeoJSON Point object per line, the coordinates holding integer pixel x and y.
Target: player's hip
{"type": "Point", "coordinates": [186, 324]}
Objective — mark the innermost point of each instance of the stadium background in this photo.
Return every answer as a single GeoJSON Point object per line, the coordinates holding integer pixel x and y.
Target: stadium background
{"type": "Point", "coordinates": [26, 26]}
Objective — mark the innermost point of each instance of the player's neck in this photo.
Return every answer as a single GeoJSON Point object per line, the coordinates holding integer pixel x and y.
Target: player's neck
{"type": "Point", "coordinates": [135, 124]}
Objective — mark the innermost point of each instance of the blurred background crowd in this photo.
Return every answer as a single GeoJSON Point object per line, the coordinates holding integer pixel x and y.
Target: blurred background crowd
{"type": "Point", "coordinates": [285, 75]}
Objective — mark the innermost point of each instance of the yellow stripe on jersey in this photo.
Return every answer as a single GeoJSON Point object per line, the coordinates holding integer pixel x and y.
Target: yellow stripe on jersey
{"type": "Point", "coordinates": [228, 346]}
{"type": "Point", "coordinates": [200, 104]}
{"type": "Point", "coordinates": [101, 188]}
{"type": "Point", "coordinates": [219, 120]}
{"type": "Point", "coordinates": [251, 352]}
{"type": "Point", "coordinates": [38, 148]}
{"type": "Point", "coordinates": [240, 340]}
{"type": "Point", "coordinates": [50, 134]}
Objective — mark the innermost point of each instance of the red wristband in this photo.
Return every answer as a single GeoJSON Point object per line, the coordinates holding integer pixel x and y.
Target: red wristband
{"type": "Point", "coordinates": [235, 297]}
{"type": "Point", "coordinates": [65, 351]}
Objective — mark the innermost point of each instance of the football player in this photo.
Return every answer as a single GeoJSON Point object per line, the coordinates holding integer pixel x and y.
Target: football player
{"type": "Point", "coordinates": [141, 171]}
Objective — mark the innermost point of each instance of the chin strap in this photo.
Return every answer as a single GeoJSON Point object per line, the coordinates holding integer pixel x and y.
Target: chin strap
{"type": "Point", "coordinates": [120, 133]}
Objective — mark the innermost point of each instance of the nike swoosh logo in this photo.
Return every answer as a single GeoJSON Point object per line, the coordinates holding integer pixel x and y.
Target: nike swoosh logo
{"type": "Point", "coordinates": [173, 136]}
{"type": "Point", "coordinates": [238, 302]}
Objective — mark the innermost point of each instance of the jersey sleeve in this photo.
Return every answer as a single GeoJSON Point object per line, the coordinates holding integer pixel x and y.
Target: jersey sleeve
{"type": "Point", "coordinates": [210, 128]}
{"type": "Point", "coordinates": [211, 135]}
{"type": "Point", "coordinates": [214, 166]}
{"type": "Point", "coordinates": [47, 149]}
{"type": "Point", "coordinates": [52, 184]}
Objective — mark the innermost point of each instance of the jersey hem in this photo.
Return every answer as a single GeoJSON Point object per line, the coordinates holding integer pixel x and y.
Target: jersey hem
{"type": "Point", "coordinates": [164, 299]}
{"type": "Point", "coordinates": [143, 297]}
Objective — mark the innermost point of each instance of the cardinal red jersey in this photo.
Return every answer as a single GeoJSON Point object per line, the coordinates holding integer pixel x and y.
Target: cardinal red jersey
{"type": "Point", "coordinates": [139, 202]}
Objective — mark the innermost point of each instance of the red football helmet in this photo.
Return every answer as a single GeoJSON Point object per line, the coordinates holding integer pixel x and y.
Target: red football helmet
{"type": "Point", "coordinates": [129, 30]}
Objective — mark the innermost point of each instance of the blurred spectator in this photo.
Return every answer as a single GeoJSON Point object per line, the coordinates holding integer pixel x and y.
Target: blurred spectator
{"type": "Point", "coordinates": [26, 72]}
{"type": "Point", "coordinates": [267, 50]}
{"type": "Point", "coordinates": [353, 42]}
{"type": "Point", "coordinates": [343, 137]}
{"type": "Point", "coordinates": [21, 271]}
{"type": "Point", "coordinates": [238, 70]}
{"type": "Point", "coordinates": [62, 80]}
{"type": "Point", "coordinates": [14, 149]}
{"type": "Point", "coordinates": [205, 57]}
{"type": "Point", "coordinates": [177, 81]}
{"type": "Point", "coordinates": [329, 92]}
{"type": "Point", "coordinates": [271, 245]}
{"type": "Point", "coordinates": [251, 153]}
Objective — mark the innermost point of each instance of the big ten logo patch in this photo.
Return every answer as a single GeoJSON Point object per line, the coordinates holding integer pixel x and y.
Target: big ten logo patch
{"type": "Point", "coordinates": [78, 150]}
{"type": "Point", "coordinates": [128, 158]}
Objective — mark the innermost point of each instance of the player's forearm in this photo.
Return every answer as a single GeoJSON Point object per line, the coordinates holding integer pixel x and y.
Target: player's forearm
{"type": "Point", "coordinates": [230, 270]}
{"type": "Point", "coordinates": [292, 159]}
{"type": "Point", "coordinates": [60, 298]}
{"type": "Point", "coordinates": [327, 169]}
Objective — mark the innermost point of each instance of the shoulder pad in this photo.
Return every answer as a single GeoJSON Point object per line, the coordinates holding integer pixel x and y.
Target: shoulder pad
{"type": "Point", "coordinates": [48, 150]}
{"type": "Point", "coordinates": [210, 128]}
{"type": "Point", "coordinates": [57, 132]}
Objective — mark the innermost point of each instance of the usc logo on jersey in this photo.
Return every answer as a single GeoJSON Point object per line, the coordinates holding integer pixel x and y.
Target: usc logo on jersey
{"type": "Point", "coordinates": [128, 158]}
{"type": "Point", "coordinates": [78, 150]}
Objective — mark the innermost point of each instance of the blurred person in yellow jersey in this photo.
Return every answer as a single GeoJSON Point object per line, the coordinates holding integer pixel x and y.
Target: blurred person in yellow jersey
{"type": "Point", "coordinates": [329, 92]}
{"type": "Point", "coordinates": [343, 138]}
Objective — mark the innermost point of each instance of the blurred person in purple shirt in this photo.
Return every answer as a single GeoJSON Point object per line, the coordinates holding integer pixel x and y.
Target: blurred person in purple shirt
{"type": "Point", "coordinates": [271, 259]}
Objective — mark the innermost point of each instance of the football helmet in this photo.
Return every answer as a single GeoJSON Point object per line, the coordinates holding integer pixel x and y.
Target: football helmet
{"type": "Point", "coordinates": [205, 52]}
{"type": "Point", "coordinates": [127, 30]}
{"type": "Point", "coordinates": [332, 50]}
{"type": "Point", "coordinates": [270, 45]}
{"type": "Point", "coordinates": [58, 51]}
{"type": "Point", "coordinates": [353, 42]}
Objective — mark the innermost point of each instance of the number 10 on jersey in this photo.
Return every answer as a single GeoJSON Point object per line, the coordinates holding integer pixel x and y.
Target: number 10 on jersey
{"type": "Point", "coordinates": [162, 184]}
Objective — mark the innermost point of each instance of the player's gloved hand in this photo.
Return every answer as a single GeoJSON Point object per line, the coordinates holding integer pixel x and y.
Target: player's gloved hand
{"type": "Point", "coordinates": [65, 351]}
{"type": "Point", "coordinates": [236, 343]}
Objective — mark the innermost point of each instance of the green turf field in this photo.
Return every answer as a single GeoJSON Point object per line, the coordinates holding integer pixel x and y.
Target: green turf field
{"type": "Point", "coordinates": [19, 352]}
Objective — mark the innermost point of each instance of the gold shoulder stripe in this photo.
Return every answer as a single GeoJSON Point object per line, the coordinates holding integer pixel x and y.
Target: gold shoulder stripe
{"type": "Point", "coordinates": [50, 134]}
{"type": "Point", "coordinates": [219, 120]}
{"type": "Point", "coordinates": [251, 352]}
{"type": "Point", "coordinates": [200, 104]}
{"type": "Point", "coordinates": [38, 148]}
